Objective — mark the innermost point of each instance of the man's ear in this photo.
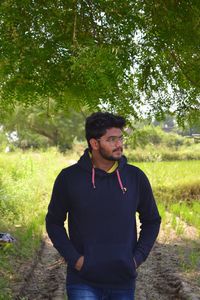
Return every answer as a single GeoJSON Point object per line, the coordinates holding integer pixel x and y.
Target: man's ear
{"type": "Point", "coordinates": [94, 144]}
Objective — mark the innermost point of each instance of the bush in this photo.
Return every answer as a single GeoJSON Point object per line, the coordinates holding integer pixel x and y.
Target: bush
{"type": "Point", "coordinates": [151, 135]}
{"type": "Point", "coordinates": [151, 143]}
{"type": "Point", "coordinates": [144, 136]}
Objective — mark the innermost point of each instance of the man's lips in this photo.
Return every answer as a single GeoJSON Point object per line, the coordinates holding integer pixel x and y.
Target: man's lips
{"type": "Point", "coordinates": [118, 150]}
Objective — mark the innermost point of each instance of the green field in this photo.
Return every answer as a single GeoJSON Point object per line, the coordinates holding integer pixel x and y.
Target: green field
{"type": "Point", "coordinates": [26, 181]}
{"type": "Point", "coordinates": [176, 186]}
{"type": "Point", "coordinates": [175, 180]}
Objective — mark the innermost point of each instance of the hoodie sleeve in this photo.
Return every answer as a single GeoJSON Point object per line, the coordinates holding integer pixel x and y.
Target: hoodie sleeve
{"type": "Point", "coordinates": [55, 218]}
{"type": "Point", "coordinates": [149, 218]}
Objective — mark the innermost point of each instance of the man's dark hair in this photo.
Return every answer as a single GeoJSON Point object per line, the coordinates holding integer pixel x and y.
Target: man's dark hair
{"type": "Point", "coordinates": [97, 124]}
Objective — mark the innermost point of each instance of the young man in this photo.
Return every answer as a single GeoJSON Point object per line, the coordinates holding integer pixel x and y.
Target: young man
{"type": "Point", "coordinates": [101, 194]}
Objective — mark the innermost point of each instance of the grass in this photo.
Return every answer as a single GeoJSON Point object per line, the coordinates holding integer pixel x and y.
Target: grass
{"type": "Point", "coordinates": [176, 187]}
{"type": "Point", "coordinates": [188, 212]}
{"type": "Point", "coordinates": [173, 181]}
{"type": "Point", "coordinates": [189, 259]}
{"type": "Point", "coordinates": [26, 181]}
{"type": "Point", "coordinates": [171, 173]}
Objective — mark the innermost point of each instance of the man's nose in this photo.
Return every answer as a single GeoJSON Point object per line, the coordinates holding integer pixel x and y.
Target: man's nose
{"type": "Point", "coordinates": [119, 142]}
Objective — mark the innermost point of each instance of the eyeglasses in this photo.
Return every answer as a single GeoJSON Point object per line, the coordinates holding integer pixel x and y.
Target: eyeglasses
{"type": "Point", "coordinates": [114, 139]}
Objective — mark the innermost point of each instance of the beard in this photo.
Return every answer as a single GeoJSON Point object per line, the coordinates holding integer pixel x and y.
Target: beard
{"type": "Point", "coordinates": [105, 155]}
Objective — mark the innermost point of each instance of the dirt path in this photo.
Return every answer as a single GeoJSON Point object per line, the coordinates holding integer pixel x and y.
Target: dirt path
{"type": "Point", "coordinates": [158, 278]}
{"type": "Point", "coordinates": [46, 278]}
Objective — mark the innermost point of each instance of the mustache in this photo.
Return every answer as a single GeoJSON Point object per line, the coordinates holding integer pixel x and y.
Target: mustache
{"type": "Point", "coordinates": [118, 149]}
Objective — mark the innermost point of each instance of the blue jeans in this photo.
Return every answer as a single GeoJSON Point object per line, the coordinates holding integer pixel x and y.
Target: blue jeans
{"type": "Point", "coordinates": [87, 292]}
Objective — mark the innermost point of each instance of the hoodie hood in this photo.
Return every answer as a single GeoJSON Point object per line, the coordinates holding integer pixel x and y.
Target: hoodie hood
{"type": "Point", "coordinates": [85, 163]}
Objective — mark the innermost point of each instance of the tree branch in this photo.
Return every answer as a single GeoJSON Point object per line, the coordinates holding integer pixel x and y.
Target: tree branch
{"type": "Point", "coordinates": [48, 108]}
{"type": "Point", "coordinates": [43, 132]}
{"type": "Point", "coordinates": [94, 31]}
{"type": "Point", "coordinates": [74, 38]}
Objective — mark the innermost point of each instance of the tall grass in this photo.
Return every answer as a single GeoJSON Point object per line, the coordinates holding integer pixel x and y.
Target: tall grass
{"type": "Point", "coordinates": [176, 187]}
{"type": "Point", "coordinates": [188, 212]}
{"type": "Point", "coordinates": [26, 181]}
{"type": "Point", "coordinates": [173, 181]}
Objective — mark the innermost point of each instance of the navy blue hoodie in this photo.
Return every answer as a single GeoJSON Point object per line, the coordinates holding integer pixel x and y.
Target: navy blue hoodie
{"type": "Point", "coordinates": [101, 211]}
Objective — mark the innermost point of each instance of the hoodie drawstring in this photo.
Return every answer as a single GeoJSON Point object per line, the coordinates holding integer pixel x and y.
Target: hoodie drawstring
{"type": "Point", "coordinates": [120, 182]}
{"type": "Point", "coordinates": [118, 177]}
{"type": "Point", "coordinates": [93, 178]}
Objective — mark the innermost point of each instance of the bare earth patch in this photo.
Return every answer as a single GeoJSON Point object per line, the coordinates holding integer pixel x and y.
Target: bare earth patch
{"type": "Point", "coordinates": [45, 279]}
{"type": "Point", "coordinates": [160, 277]}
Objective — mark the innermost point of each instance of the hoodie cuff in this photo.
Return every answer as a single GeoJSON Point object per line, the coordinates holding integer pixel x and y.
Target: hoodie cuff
{"type": "Point", "coordinates": [73, 259]}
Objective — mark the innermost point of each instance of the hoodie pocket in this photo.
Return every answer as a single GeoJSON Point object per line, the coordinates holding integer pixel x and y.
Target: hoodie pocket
{"type": "Point", "coordinates": [108, 263]}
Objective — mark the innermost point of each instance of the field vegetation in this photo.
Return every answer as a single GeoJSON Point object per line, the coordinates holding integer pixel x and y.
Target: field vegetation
{"type": "Point", "coordinates": [25, 185]}
{"type": "Point", "coordinates": [176, 186]}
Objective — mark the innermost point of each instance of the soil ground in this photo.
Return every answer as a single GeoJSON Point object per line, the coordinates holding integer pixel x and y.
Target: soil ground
{"type": "Point", "coordinates": [159, 277]}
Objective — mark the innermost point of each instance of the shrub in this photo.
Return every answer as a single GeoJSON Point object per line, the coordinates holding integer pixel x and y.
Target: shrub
{"type": "Point", "coordinates": [151, 135]}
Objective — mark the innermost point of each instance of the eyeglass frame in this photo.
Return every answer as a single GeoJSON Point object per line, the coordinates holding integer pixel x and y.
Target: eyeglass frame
{"type": "Point", "coordinates": [113, 139]}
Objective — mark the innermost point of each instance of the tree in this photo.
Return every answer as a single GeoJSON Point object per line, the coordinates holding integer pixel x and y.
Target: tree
{"type": "Point", "coordinates": [122, 54]}
{"type": "Point", "coordinates": [36, 129]}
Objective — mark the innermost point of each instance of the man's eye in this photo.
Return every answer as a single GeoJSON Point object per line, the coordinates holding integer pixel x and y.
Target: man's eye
{"type": "Point", "coordinates": [113, 139]}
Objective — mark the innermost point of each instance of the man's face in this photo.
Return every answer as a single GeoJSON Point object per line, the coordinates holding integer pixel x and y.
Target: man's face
{"type": "Point", "coordinates": [111, 144]}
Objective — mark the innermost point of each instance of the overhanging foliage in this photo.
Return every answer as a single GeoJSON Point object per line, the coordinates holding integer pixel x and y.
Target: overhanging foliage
{"type": "Point", "coordinates": [124, 54]}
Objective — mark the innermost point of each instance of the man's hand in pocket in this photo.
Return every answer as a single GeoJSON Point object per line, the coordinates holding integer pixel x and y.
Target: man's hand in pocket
{"type": "Point", "coordinates": [79, 263]}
